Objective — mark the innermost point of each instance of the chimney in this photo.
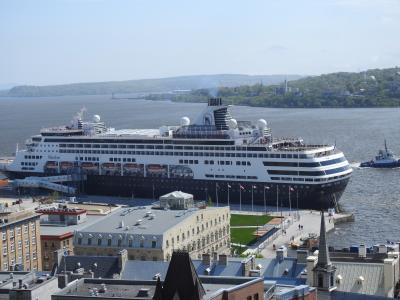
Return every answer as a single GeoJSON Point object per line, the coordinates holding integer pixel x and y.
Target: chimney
{"type": "Point", "coordinates": [122, 258]}
{"type": "Point", "coordinates": [382, 249]}
{"type": "Point", "coordinates": [362, 251]}
{"type": "Point", "coordinates": [206, 259]}
{"type": "Point", "coordinates": [247, 265]}
{"type": "Point", "coordinates": [281, 253]}
{"type": "Point", "coordinates": [302, 256]}
{"type": "Point", "coordinates": [311, 263]}
{"type": "Point", "coordinates": [223, 260]}
{"type": "Point", "coordinates": [388, 277]}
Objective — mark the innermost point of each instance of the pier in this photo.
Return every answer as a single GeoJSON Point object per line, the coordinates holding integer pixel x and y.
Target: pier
{"type": "Point", "coordinates": [291, 228]}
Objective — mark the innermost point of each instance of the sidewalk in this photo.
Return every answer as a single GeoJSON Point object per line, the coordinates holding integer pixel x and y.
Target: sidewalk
{"type": "Point", "coordinates": [310, 220]}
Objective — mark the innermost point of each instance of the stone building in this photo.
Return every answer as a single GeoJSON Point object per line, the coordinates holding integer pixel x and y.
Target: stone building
{"type": "Point", "coordinates": [20, 239]}
{"type": "Point", "coordinates": [149, 233]}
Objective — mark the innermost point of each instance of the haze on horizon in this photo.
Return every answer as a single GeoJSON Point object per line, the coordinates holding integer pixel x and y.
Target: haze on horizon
{"type": "Point", "coordinates": [66, 41]}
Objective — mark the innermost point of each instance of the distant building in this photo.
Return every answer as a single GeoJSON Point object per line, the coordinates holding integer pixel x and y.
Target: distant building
{"type": "Point", "coordinates": [150, 233]}
{"type": "Point", "coordinates": [58, 224]}
{"type": "Point", "coordinates": [375, 274]}
{"type": "Point", "coordinates": [181, 283]}
{"type": "Point", "coordinates": [177, 200]}
{"type": "Point", "coordinates": [27, 286]}
{"type": "Point", "coordinates": [20, 238]}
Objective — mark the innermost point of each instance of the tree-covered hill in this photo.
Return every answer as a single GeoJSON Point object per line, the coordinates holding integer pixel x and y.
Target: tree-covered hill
{"type": "Point", "coordinates": [372, 88]}
{"type": "Point", "coordinates": [144, 85]}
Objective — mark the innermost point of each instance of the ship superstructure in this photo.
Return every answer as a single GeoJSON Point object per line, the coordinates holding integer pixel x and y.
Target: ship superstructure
{"type": "Point", "coordinates": [216, 157]}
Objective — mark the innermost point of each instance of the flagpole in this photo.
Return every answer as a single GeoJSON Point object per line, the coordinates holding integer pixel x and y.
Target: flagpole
{"type": "Point", "coordinates": [240, 198]}
{"type": "Point", "coordinates": [228, 195]}
{"type": "Point", "coordinates": [265, 203]}
{"type": "Point", "coordinates": [252, 198]}
{"type": "Point", "coordinates": [277, 198]}
{"type": "Point", "coordinates": [216, 192]}
{"type": "Point", "coordinates": [290, 202]}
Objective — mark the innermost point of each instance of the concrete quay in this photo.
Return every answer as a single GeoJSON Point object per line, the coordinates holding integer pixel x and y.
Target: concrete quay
{"type": "Point", "coordinates": [290, 231]}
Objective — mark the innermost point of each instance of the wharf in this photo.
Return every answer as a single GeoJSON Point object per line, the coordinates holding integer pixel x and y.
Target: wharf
{"type": "Point", "coordinates": [290, 231]}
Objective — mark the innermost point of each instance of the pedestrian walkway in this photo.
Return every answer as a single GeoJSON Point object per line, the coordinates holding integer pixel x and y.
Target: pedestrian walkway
{"type": "Point", "coordinates": [310, 222]}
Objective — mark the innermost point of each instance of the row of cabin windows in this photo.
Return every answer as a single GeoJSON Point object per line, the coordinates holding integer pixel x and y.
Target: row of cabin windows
{"type": "Point", "coordinates": [201, 148]}
{"type": "Point", "coordinates": [308, 179]}
{"type": "Point", "coordinates": [87, 158]}
{"type": "Point", "coordinates": [230, 176]}
{"type": "Point", "coordinates": [190, 161]}
{"type": "Point", "coordinates": [32, 156]}
{"type": "Point", "coordinates": [126, 159]}
{"type": "Point", "coordinates": [170, 153]}
{"type": "Point", "coordinates": [29, 163]}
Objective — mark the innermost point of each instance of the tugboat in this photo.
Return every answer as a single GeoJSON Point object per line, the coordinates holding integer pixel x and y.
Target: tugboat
{"type": "Point", "coordinates": [384, 159]}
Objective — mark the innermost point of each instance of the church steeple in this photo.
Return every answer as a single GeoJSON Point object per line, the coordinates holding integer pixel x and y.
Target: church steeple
{"type": "Point", "coordinates": [323, 254]}
{"type": "Point", "coordinates": [324, 271]}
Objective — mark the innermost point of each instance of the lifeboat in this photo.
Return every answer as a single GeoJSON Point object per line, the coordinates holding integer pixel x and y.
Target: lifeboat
{"type": "Point", "coordinates": [66, 165]}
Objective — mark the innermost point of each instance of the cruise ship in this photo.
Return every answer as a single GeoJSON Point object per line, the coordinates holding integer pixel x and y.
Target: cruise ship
{"type": "Point", "coordinates": [216, 158]}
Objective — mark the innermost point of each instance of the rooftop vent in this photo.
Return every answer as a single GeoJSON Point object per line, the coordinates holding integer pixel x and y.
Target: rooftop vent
{"type": "Point", "coordinates": [103, 288]}
{"type": "Point", "coordinates": [138, 222]}
{"type": "Point", "coordinates": [143, 293]}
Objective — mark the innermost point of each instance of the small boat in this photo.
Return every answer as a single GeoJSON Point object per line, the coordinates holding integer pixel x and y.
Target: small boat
{"type": "Point", "coordinates": [384, 159]}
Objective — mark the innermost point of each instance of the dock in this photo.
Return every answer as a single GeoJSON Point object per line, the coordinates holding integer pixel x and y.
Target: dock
{"type": "Point", "coordinates": [295, 226]}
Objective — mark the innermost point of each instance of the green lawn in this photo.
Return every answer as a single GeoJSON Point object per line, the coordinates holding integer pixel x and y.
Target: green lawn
{"type": "Point", "coordinates": [243, 236]}
{"type": "Point", "coordinates": [249, 220]}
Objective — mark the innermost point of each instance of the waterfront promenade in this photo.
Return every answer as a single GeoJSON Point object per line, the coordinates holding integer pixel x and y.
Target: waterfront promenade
{"type": "Point", "coordinates": [289, 230]}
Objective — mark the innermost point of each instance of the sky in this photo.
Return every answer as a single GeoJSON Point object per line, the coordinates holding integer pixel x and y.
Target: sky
{"type": "Point", "coordinates": [67, 41]}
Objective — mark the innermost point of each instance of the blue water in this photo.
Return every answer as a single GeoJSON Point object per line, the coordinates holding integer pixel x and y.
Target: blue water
{"type": "Point", "coordinates": [372, 195]}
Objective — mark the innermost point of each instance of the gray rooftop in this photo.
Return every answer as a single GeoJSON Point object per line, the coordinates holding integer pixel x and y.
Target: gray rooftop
{"type": "Point", "coordinates": [271, 268]}
{"type": "Point", "coordinates": [60, 230]}
{"type": "Point", "coordinates": [158, 221]}
{"type": "Point", "coordinates": [114, 289]}
{"type": "Point", "coordinates": [372, 274]}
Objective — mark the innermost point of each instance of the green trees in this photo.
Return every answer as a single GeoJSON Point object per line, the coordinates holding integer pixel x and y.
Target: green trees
{"type": "Point", "coordinates": [372, 88]}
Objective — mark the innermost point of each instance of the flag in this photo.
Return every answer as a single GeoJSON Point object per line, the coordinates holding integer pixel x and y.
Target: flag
{"type": "Point", "coordinates": [229, 186]}
{"type": "Point", "coordinates": [241, 187]}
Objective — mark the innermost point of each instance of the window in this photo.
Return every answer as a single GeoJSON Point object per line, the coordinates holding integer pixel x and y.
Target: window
{"type": "Point", "coordinates": [4, 236]}
{"type": "Point", "coordinates": [109, 241]}
{"type": "Point", "coordinates": [153, 244]}
{"type": "Point", "coordinates": [33, 240]}
{"type": "Point", "coordinates": [4, 250]}
{"type": "Point", "coordinates": [18, 230]}
{"type": "Point", "coordinates": [5, 266]}
{"type": "Point", "coordinates": [33, 226]}
{"type": "Point", "coordinates": [99, 242]}
{"type": "Point", "coordinates": [19, 244]}
{"type": "Point", "coordinates": [119, 242]}
{"type": "Point", "coordinates": [34, 255]}
{"type": "Point", "coordinates": [141, 243]}
{"type": "Point", "coordinates": [89, 241]}
{"type": "Point", "coordinates": [79, 241]}
{"type": "Point", "coordinates": [130, 243]}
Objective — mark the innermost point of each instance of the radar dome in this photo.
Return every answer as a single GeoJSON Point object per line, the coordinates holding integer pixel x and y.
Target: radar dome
{"type": "Point", "coordinates": [232, 123]}
{"type": "Point", "coordinates": [261, 123]}
{"type": "Point", "coordinates": [185, 121]}
{"type": "Point", "coordinates": [96, 118]}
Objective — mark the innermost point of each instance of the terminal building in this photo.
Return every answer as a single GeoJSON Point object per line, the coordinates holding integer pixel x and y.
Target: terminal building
{"type": "Point", "coordinates": [153, 232]}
